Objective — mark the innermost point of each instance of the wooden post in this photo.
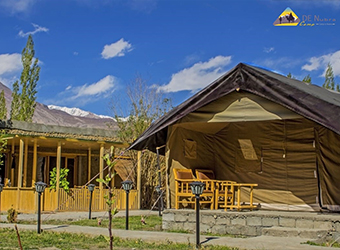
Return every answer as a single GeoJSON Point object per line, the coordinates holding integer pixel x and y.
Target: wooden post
{"type": "Point", "coordinates": [35, 159]}
{"type": "Point", "coordinates": [101, 176]}
{"type": "Point", "coordinates": [21, 162]}
{"type": "Point", "coordinates": [25, 164]}
{"type": "Point", "coordinates": [89, 164]}
{"type": "Point", "coordinates": [58, 173]}
{"type": "Point", "coordinates": [139, 179]}
{"type": "Point", "coordinates": [12, 159]}
{"type": "Point", "coordinates": [113, 170]}
{"type": "Point", "coordinates": [78, 168]}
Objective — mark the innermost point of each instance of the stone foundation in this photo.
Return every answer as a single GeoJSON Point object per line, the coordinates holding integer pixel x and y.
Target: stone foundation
{"type": "Point", "coordinates": [252, 223]}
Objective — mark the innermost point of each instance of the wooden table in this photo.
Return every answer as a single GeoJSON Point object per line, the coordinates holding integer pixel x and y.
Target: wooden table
{"type": "Point", "coordinates": [231, 203]}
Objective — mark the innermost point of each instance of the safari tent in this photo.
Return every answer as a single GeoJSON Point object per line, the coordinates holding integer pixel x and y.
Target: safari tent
{"type": "Point", "coordinates": [255, 126]}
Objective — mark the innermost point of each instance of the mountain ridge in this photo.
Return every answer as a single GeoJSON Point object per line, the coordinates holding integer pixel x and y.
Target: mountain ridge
{"type": "Point", "coordinates": [44, 115]}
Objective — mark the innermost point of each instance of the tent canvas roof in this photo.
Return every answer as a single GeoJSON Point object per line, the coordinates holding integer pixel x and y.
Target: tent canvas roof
{"type": "Point", "coordinates": [310, 101]}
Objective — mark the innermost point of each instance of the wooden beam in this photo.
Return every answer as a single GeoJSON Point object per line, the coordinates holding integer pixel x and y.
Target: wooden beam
{"type": "Point", "coordinates": [21, 162]}
{"type": "Point", "coordinates": [12, 159]}
{"type": "Point", "coordinates": [58, 167]}
{"type": "Point", "coordinates": [101, 176]}
{"type": "Point", "coordinates": [35, 160]}
{"type": "Point", "coordinates": [139, 178]}
{"type": "Point", "coordinates": [25, 164]}
{"type": "Point", "coordinates": [78, 168]}
{"type": "Point", "coordinates": [89, 164]}
{"type": "Point", "coordinates": [113, 169]}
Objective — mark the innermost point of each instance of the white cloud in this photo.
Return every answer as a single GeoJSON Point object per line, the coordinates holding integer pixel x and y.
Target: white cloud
{"type": "Point", "coordinates": [321, 62]}
{"type": "Point", "coordinates": [197, 76]}
{"type": "Point", "coordinates": [8, 81]}
{"type": "Point", "coordinates": [103, 86]}
{"type": "Point", "coordinates": [10, 63]}
{"type": "Point", "coordinates": [84, 94]}
{"type": "Point", "coordinates": [17, 6]}
{"type": "Point", "coordinates": [268, 50]}
{"type": "Point", "coordinates": [116, 49]}
{"type": "Point", "coordinates": [37, 29]}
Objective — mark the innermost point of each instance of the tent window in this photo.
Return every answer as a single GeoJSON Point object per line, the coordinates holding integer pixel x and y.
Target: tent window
{"type": "Point", "coordinates": [247, 149]}
{"type": "Point", "coordinates": [190, 149]}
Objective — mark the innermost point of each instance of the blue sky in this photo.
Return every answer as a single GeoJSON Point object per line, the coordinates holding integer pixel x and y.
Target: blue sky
{"type": "Point", "coordinates": [90, 50]}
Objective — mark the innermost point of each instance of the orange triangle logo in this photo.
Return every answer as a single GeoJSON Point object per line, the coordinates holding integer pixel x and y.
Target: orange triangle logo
{"type": "Point", "coordinates": [287, 18]}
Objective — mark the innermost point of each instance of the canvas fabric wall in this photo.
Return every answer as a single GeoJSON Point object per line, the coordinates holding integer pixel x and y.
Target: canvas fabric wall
{"type": "Point", "coordinates": [247, 139]}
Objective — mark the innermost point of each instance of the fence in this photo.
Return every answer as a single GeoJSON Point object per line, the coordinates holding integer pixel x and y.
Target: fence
{"type": "Point", "coordinates": [25, 200]}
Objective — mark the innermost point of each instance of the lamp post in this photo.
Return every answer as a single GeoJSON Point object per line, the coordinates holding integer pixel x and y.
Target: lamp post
{"type": "Point", "coordinates": [197, 188]}
{"type": "Point", "coordinates": [91, 189]}
{"type": "Point", "coordinates": [127, 186]}
{"type": "Point", "coordinates": [160, 200]}
{"type": "Point", "coordinates": [40, 188]}
{"type": "Point", "coordinates": [1, 188]}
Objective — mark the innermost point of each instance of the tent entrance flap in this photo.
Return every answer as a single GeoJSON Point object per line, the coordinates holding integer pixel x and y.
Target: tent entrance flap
{"type": "Point", "coordinates": [278, 155]}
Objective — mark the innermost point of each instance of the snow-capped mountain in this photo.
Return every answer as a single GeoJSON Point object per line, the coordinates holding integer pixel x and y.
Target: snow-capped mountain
{"type": "Point", "coordinates": [58, 116]}
{"type": "Point", "coordinates": [78, 112]}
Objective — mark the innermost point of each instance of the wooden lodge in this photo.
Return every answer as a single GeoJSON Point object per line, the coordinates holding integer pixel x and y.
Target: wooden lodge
{"type": "Point", "coordinates": [33, 150]}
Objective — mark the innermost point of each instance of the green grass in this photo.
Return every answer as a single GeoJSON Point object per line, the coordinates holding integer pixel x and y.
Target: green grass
{"type": "Point", "coordinates": [68, 241]}
{"type": "Point", "coordinates": [323, 244]}
{"type": "Point", "coordinates": [153, 223]}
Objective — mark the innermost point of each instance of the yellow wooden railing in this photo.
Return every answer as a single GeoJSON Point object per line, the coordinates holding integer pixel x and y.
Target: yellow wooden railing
{"type": "Point", "coordinates": [25, 200]}
{"type": "Point", "coordinates": [79, 198]}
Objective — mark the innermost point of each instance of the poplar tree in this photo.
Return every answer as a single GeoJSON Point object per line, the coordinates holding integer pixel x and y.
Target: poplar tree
{"type": "Point", "coordinates": [329, 78]}
{"type": "Point", "coordinates": [307, 79]}
{"type": "Point", "coordinates": [23, 103]}
{"type": "Point", "coordinates": [3, 109]}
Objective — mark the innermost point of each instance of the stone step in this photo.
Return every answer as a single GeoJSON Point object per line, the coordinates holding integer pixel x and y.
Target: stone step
{"type": "Point", "coordinates": [294, 232]}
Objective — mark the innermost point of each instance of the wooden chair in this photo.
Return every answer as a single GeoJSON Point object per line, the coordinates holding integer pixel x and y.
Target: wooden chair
{"type": "Point", "coordinates": [221, 187]}
{"type": "Point", "coordinates": [183, 177]}
{"type": "Point", "coordinates": [205, 174]}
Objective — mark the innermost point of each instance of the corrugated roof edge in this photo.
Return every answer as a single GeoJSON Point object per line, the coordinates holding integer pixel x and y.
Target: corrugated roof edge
{"type": "Point", "coordinates": [42, 128]}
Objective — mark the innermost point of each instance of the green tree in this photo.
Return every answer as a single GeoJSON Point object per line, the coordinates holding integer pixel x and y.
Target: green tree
{"type": "Point", "coordinates": [3, 109]}
{"type": "Point", "coordinates": [23, 103]}
{"type": "Point", "coordinates": [307, 79]}
{"type": "Point", "coordinates": [3, 116]}
{"type": "Point", "coordinates": [329, 78]}
{"type": "Point", "coordinates": [290, 75]}
{"type": "Point", "coordinates": [110, 197]}
{"type": "Point", "coordinates": [145, 106]}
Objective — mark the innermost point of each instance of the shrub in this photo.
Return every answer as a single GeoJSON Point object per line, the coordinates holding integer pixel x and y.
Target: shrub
{"type": "Point", "coordinates": [12, 215]}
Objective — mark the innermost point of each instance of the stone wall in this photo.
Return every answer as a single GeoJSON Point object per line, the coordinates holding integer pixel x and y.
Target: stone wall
{"type": "Point", "coordinates": [247, 223]}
